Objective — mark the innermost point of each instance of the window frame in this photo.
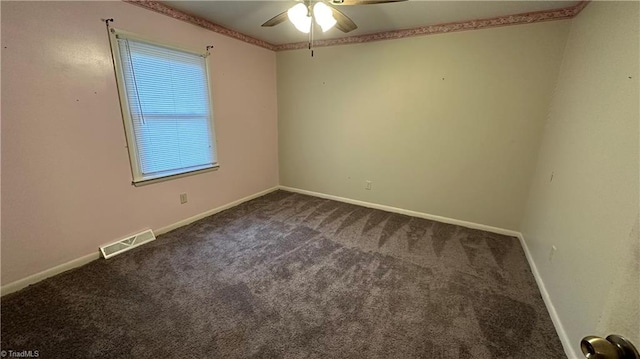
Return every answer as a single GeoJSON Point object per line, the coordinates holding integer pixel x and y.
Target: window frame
{"type": "Point", "coordinates": [132, 147]}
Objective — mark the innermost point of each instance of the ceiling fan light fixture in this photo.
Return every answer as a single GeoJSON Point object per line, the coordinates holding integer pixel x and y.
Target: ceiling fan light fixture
{"type": "Point", "coordinates": [299, 17]}
{"type": "Point", "coordinates": [324, 16]}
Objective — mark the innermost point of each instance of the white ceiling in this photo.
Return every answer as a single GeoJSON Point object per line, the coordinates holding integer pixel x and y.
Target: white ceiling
{"type": "Point", "coordinates": [247, 16]}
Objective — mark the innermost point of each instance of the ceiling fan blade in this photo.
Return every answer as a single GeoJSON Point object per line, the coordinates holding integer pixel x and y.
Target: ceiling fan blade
{"type": "Point", "coordinates": [361, 2]}
{"type": "Point", "coordinates": [343, 24]}
{"type": "Point", "coordinates": [281, 17]}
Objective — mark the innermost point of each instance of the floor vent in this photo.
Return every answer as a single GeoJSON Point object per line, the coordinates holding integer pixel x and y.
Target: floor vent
{"type": "Point", "coordinates": [125, 244]}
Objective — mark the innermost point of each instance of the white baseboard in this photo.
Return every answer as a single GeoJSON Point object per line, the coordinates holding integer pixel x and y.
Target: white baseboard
{"type": "Point", "coordinates": [562, 334]}
{"type": "Point", "coordinates": [78, 262]}
{"type": "Point", "coordinates": [433, 217]}
{"type": "Point", "coordinates": [34, 278]}
{"type": "Point", "coordinates": [566, 344]}
{"type": "Point", "coordinates": [210, 212]}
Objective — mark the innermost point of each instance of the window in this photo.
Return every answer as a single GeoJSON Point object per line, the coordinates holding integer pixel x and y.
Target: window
{"type": "Point", "coordinates": [164, 95]}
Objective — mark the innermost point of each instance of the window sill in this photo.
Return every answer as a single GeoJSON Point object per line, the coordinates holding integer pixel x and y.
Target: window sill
{"type": "Point", "coordinates": [145, 182]}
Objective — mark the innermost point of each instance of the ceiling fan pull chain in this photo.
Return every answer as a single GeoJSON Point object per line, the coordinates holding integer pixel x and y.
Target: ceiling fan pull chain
{"type": "Point", "coordinates": [311, 35]}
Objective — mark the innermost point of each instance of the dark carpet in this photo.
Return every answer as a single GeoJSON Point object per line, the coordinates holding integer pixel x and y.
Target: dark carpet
{"type": "Point", "coordinates": [293, 276]}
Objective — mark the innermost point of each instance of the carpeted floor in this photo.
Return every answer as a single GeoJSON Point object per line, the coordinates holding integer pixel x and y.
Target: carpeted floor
{"type": "Point", "coordinates": [293, 276]}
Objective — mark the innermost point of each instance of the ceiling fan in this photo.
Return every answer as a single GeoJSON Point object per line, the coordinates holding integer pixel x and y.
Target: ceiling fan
{"type": "Point", "coordinates": [324, 13]}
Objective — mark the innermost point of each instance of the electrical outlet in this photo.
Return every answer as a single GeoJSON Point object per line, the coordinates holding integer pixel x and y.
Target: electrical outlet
{"type": "Point", "coordinates": [367, 185]}
{"type": "Point", "coordinates": [183, 198]}
{"type": "Point", "coordinates": [552, 252]}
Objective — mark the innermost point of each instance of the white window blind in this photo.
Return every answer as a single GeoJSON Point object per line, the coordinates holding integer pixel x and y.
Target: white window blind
{"type": "Point", "coordinates": [167, 96]}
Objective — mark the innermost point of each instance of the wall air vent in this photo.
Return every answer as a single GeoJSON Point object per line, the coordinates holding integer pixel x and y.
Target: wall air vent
{"type": "Point", "coordinates": [125, 244]}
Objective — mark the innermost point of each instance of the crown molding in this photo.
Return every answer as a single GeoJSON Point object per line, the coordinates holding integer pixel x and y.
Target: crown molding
{"type": "Point", "coordinates": [508, 20]}
{"type": "Point", "coordinates": [198, 21]}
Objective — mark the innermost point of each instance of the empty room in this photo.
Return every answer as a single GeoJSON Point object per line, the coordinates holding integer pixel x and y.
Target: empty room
{"type": "Point", "coordinates": [320, 179]}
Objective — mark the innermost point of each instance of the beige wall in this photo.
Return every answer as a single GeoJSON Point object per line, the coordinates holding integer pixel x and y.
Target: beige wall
{"type": "Point", "coordinates": [66, 180]}
{"type": "Point", "coordinates": [589, 209]}
{"type": "Point", "coordinates": [444, 124]}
